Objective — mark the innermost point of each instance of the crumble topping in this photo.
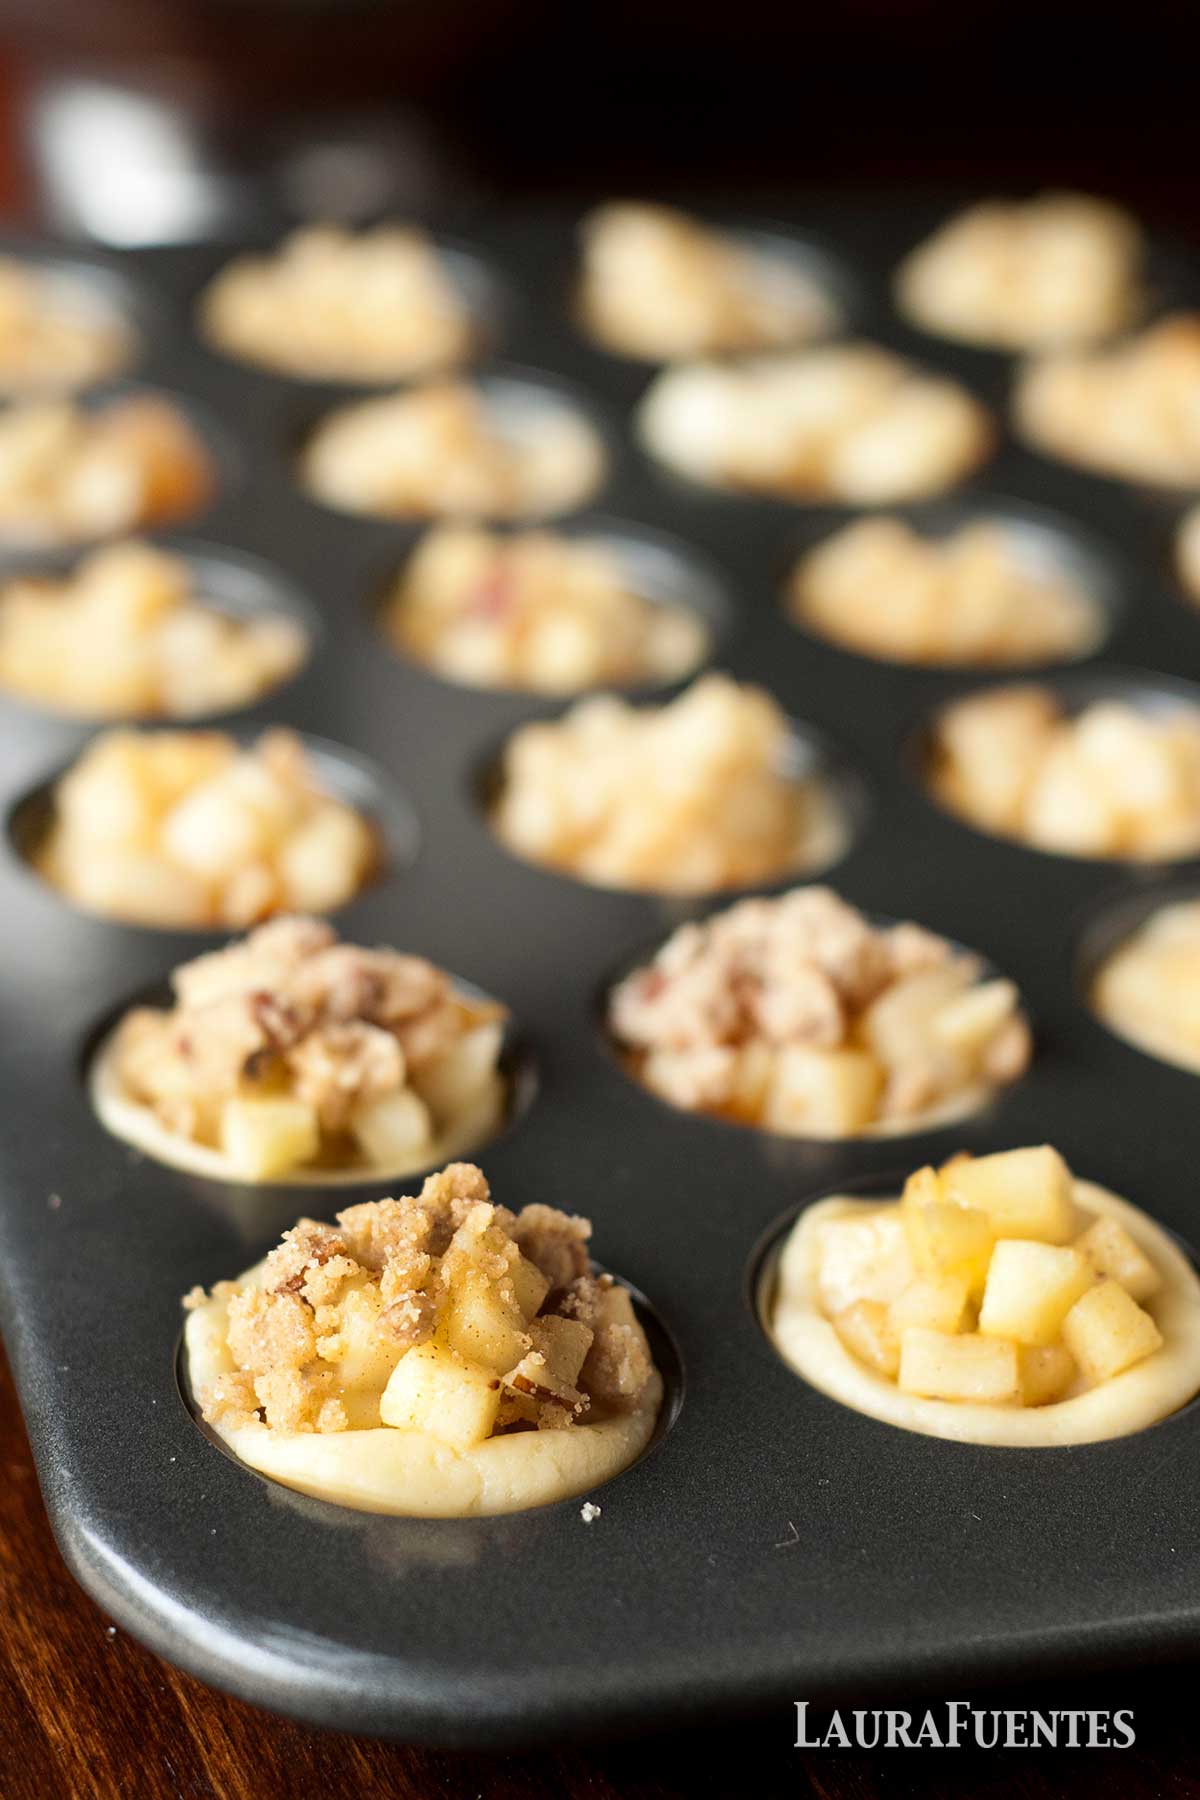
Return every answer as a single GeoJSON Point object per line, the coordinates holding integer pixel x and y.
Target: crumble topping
{"type": "Point", "coordinates": [798, 1015]}
{"type": "Point", "coordinates": [848, 422]}
{"type": "Point", "coordinates": [658, 284]}
{"type": "Point", "coordinates": [501, 1303]}
{"type": "Point", "coordinates": [535, 611]}
{"type": "Point", "coordinates": [1018, 274]}
{"type": "Point", "coordinates": [54, 333]}
{"type": "Point", "coordinates": [69, 472]}
{"type": "Point", "coordinates": [1111, 780]}
{"type": "Point", "coordinates": [124, 634]}
{"type": "Point", "coordinates": [187, 828]}
{"type": "Point", "coordinates": [975, 596]}
{"type": "Point", "coordinates": [1132, 411]}
{"type": "Point", "coordinates": [444, 449]}
{"type": "Point", "coordinates": [682, 798]}
{"type": "Point", "coordinates": [332, 305]}
{"type": "Point", "coordinates": [291, 1049]}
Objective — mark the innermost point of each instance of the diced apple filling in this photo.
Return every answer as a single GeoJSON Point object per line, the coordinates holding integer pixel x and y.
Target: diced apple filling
{"type": "Point", "coordinates": [441, 1314]}
{"type": "Point", "coordinates": [292, 1051]}
{"type": "Point", "coordinates": [988, 1284]}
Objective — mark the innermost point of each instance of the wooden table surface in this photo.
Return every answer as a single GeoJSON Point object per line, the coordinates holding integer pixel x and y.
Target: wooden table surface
{"type": "Point", "coordinates": [87, 1714]}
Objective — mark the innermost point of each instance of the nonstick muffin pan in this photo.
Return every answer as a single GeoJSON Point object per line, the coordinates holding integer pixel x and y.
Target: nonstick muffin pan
{"type": "Point", "coordinates": [770, 1545]}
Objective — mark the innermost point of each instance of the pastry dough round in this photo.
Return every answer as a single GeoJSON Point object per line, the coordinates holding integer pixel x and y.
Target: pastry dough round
{"type": "Point", "coordinates": [1127, 1402]}
{"type": "Point", "coordinates": [384, 1470]}
{"type": "Point", "coordinates": [140, 1126]}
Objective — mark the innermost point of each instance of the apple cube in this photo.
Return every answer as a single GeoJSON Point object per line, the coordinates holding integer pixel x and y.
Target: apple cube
{"type": "Point", "coordinates": [449, 1084]}
{"type": "Point", "coordinates": [564, 1343]}
{"type": "Point", "coordinates": [863, 1329]}
{"type": "Point", "coordinates": [1047, 1371]}
{"type": "Point", "coordinates": [969, 1022]}
{"type": "Point", "coordinates": [365, 1357]}
{"type": "Point", "coordinates": [267, 1137]}
{"type": "Point", "coordinates": [945, 1239]}
{"type": "Point", "coordinates": [932, 1302]}
{"type": "Point", "coordinates": [1106, 1331]}
{"type": "Point", "coordinates": [1025, 1193]}
{"type": "Point", "coordinates": [829, 1093]}
{"type": "Point", "coordinates": [530, 1286]}
{"type": "Point", "coordinates": [941, 1366]}
{"type": "Point", "coordinates": [483, 1325]}
{"type": "Point", "coordinates": [1111, 1250]}
{"type": "Point", "coordinates": [1031, 1288]}
{"type": "Point", "coordinates": [394, 1128]}
{"type": "Point", "coordinates": [863, 1258]}
{"type": "Point", "coordinates": [435, 1390]}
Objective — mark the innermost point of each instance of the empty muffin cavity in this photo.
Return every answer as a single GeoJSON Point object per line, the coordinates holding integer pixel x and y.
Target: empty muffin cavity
{"type": "Point", "coordinates": [1103, 765]}
{"type": "Point", "coordinates": [594, 605]}
{"type": "Point", "coordinates": [990, 585]}
{"type": "Point", "coordinates": [505, 447]}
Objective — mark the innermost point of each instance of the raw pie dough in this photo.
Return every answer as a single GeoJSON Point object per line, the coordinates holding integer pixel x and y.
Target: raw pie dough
{"type": "Point", "coordinates": [1128, 1402]}
{"type": "Point", "coordinates": [378, 1467]}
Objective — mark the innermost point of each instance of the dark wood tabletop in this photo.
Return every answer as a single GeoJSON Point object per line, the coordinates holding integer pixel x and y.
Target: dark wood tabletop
{"type": "Point", "coordinates": [87, 1714]}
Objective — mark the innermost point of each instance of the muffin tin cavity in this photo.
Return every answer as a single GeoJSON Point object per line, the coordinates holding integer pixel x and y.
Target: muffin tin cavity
{"type": "Point", "coordinates": [475, 284]}
{"type": "Point", "coordinates": [667, 1361]}
{"type": "Point", "coordinates": [807, 1087]}
{"type": "Point", "coordinates": [1012, 778]}
{"type": "Point", "coordinates": [221, 585]}
{"type": "Point", "coordinates": [135, 1123]}
{"type": "Point", "coordinates": [1155, 1009]}
{"type": "Point", "coordinates": [505, 445]}
{"type": "Point", "coordinates": [658, 571]}
{"type": "Point", "coordinates": [830, 796]}
{"type": "Point", "coordinates": [343, 774]}
{"type": "Point", "coordinates": [117, 460]}
{"type": "Point", "coordinates": [1043, 546]}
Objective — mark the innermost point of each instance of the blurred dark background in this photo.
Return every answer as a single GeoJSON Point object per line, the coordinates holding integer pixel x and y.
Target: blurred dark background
{"type": "Point", "coordinates": [138, 119]}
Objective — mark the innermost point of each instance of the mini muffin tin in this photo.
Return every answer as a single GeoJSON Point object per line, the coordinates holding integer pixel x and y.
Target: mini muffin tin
{"type": "Point", "coordinates": [771, 1545]}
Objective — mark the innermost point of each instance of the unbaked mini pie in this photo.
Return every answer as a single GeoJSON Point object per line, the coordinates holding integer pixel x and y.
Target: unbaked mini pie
{"type": "Point", "coordinates": [1026, 274]}
{"type": "Point", "coordinates": [536, 610]}
{"type": "Point", "coordinates": [127, 634]}
{"type": "Point", "coordinates": [291, 1056]}
{"type": "Point", "coordinates": [660, 285]}
{"type": "Point", "coordinates": [997, 1300]}
{"type": "Point", "coordinates": [332, 305]}
{"type": "Point", "coordinates": [69, 472]}
{"type": "Point", "coordinates": [797, 1015]}
{"type": "Point", "coordinates": [846, 422]}
{"type": "Point", "coordinates": [190, 828]}
{"type": "Point", "coordinates": [449, 449]}
{"type": "Point", "coordinates": [696, 795]}
{"type": "Point", "coordinates": [980, 595]}
{"type": "Point", "coordinates": [1113, 780]}
{"type": "Point", "coordinates": [435, 1355]}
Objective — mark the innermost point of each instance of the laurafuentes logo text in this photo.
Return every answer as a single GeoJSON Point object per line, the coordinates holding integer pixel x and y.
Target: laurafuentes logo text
{"type": "Point", "coordinates": [959, 1726]}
